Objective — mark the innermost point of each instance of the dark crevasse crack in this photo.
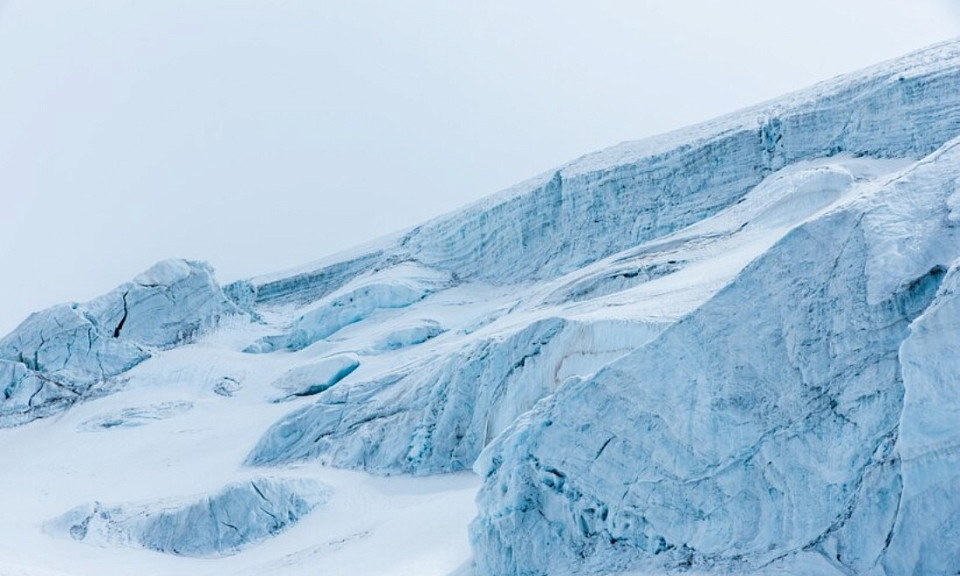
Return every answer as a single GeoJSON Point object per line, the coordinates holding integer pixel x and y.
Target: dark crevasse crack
{"type": "Point", "coordinates": [276, 520]}
{"type": "Point", "coordinates": [65, 387]}
{"type": "Point", "coordinates": [116, 331]}
{"type": "Point", "coordinates": [231, 526]}
{"type": "Point", "coordinates": [259, 492]}
{"type": "Point", "coordinates": [917, 295]}
{"type": "Point", "coordinates": [604, 447]}
{"type": "Point", "coordinates": [912, 301]}
{"type": "Point", "coordinates": [34, 395]}
{"type": "Point", "coordinates": [896, 517]}
{"type": "Point", "coordinates": [36, 354]}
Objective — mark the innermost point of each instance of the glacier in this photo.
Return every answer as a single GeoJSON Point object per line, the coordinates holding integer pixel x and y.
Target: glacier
{"type": "Point", "coordinates": [731, 349]}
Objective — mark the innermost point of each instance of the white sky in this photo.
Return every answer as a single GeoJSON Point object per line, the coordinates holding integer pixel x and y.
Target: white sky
{"type": "Point", "coordinates": [259, 135]}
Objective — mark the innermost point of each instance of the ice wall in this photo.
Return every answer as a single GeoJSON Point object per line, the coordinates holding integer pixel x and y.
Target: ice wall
{"type": "Point", "coordinates": [611, 200]}
{"type": "Point", "coordinates": [765, 424]}
{"type": "Point", "coordinates": [436, 415]}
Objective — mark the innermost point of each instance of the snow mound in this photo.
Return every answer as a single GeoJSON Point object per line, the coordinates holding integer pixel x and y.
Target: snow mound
{"type": "Point", "coordinates": [408, 335]}
{"type": "Point", "coordinates": [315, 378]}
{"type": "Point", "coordinates": [239, 515]}
{"type": "Point", "coordinates": [137, 416]}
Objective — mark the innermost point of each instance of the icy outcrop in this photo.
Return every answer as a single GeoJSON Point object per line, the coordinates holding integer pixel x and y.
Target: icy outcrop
{"type": "Point", "coordinates": [408, 335]}
{"type": "Point", "coordinates": [437, 415]}
{"type": "Point", "coordinates": [227, 387]}
{"type": "Point", "coordinates": [781, 201]}
{"type": "Point", "coordinates": [316, 377]}
{"type": "Point", "coordinates": [743, 435]}
{"type": "Point", "coordinates": [28, 395]}
{"type": "Point", "coordinates": [57, 355]}
{"type": "Point", "coordinates": [239, 515]}
{"type": "Point", "coordinates": [396, 287]}
{"type": "Point", "coordinates": [301, 287]}
{"type": "Point", "coordinates": [606, 318]}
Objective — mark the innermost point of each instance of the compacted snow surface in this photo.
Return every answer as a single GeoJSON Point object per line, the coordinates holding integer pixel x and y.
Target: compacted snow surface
{"type": "Point", "coordinates": [730, 349]}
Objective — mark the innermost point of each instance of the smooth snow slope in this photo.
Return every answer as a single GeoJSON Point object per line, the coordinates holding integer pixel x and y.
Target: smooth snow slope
{"type": "Point", "coordinates": [728, 349]}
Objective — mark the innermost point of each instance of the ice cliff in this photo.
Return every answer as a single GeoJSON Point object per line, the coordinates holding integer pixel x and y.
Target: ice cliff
{"type": "Point", "coordinates": [744, 435]}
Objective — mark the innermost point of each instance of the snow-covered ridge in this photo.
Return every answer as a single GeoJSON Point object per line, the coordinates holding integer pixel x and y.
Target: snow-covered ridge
{"type": "Point", "coordinates": [729, 348]}
{"type": "Point", "coordinates": [638, 191]}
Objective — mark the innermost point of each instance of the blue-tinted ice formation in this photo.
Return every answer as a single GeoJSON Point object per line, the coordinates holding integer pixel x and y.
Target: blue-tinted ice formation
{"type": "Point", "coordinates": [224, 523]}
{"type": "Point", "coordinates": [732, 348]}
{"type": "Point", "coordinates": [58, 355]}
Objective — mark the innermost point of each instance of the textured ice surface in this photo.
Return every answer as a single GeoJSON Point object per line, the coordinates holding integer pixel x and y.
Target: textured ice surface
{"type": "Point", "coordinates": [408, 335]}
{"type": "Point", "coordinates": [745, 434]}
{"type": "Point", "coordinates": [625, 195]}
{"type": "Point", "coordinates": [55, 356]}
{"type": "Point", "coordinates": [239, 515]}
{"type": "Point", "coordinates": [316, 377]}
{"type": "Point", "coordinates": [436, 412]}
{"type": "Point", "coordinates": [436, 415]}
{"type": "Point", "coordinates": [396, 287]}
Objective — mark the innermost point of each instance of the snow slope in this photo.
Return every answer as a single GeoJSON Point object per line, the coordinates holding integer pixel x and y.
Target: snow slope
{"type": "Point", "coordinates": [732, 348]}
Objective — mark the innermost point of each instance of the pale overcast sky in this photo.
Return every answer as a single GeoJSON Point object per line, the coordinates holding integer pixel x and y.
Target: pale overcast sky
{"type": "Point", "coordinates": [259, 135]}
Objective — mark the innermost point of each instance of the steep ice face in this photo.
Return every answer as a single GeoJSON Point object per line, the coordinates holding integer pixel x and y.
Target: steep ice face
{"type": "Point", "coordinates": [635, 192]}
{"type": "Point", "coordinates": [926, 529]}
{"type": "Point", "coordinates": [55, 356]}
{"type": "Point", "coordinates": [27, 395]}
{"type": "Point", "coordinates": [302, 287]}
{"type": "Point", "coordinates": [741, 435]}
{"type": "Point", "coordinates": [389, 425]}
{"type": "Point", "coordinates": [436, 416]}
{"type": "Point", "coordinates": [621, 197]}
{"type": "Point", "coordinates": [239, 515]}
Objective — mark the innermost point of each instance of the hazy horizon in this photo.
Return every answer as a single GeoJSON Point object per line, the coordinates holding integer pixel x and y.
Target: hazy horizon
{"type": "Point", "coordinates": [258, 136]}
